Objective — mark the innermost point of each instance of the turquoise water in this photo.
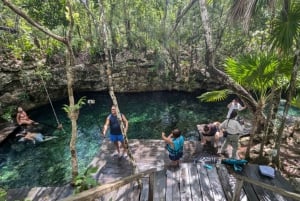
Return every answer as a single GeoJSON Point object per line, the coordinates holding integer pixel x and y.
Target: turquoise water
{"type": "Point", "coordinates": [48, 163]}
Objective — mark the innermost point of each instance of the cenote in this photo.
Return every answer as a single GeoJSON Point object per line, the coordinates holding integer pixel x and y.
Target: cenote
{"type": "Point", "coordinates": [48, 163]}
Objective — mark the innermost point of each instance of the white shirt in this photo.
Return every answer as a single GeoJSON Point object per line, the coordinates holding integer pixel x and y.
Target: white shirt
{"type": "Point", "coordinates": [232, 126]}
{"type": "Point", "coordinates": [233, 106]}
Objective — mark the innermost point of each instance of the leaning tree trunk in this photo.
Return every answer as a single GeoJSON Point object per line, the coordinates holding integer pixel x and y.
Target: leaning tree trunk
{"type": "Point", "coordinates": [220, 75]}
{"type": "Point", "coordinates": [290, 94]}
{"type": "Point", "coordinates": [256, 121]}
{"type": "Point", "coordinates": [210, 62]}
{"type": "Point", "coordinates": [69, 64]}
{"type": "Point", "coordinates": [109, 64]}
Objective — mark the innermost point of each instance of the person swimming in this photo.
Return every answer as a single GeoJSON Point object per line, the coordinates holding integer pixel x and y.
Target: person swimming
{"type": "Point", "coordinates": [34, 137]}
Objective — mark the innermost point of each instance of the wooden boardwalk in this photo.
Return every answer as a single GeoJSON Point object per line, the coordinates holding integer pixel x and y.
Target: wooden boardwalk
{"type": "Point", "coordinates": [191, 181]}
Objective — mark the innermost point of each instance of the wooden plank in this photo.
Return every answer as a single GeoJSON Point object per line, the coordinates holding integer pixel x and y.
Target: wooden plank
{"type": "Point", "coordinates": [160, 186]}
{"type": "Point", "coordinates": [173, 181]}
{"type": "Point", "coordinates": [185, 183]}
{"type": "Point", "coordinates": [228, 183]}
{"type": "Point", "coordinates": [238, 189]}
{"type": "Point", "coordinates": [268, 184]}
{"type": "Point", "coordinates": [262, 194]}
{"type": "Point", "coordinates": [128, 192]}
{"type": "Point", "coordinates": [151, 187]}
{"type": "Point", "coordinates": [195, 182]}
{"type": "Point", "coordinates": [278, 181]}
{"type": "Point", "coordinates": [169, 185]}
{"type": "Point", "coordinates": [249, 190]}
{"type": "Point", "coordinates": [292, 195]}
{"type": "Point", "coordinates": [224, 181]}
{"type": "Point", "coordinates": [108, 196]}
{"type": "Point", "coordinates": [215, 183]}
{"type": "Point", "coordinates": [204, 182]}
{"type": "Point", "coordinates": [145, 190]}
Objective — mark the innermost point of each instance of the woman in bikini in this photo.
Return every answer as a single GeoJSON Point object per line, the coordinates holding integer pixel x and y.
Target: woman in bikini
{"type": "Point", "coordinates": [22, 118]}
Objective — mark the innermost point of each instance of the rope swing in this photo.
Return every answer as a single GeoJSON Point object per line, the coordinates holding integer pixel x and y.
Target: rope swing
{"type": "Point", "coordinates": [59, 125]}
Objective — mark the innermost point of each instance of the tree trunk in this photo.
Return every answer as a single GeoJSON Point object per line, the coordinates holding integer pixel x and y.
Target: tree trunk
{"type": "Point", "coordinates": [290, 94]}
{"type": "Point", "coordinates": [269, 126]}
{"type": "Point", "coordinates": [70, 62]}
{"type": "Point", "coordinates": [210, 62]}
{"type": "Point", "coordinates": [127, 25]}
{"type": "Point", "coordinates": [69, 65]}
{"type": "Point", "coordinates": [109, 63]}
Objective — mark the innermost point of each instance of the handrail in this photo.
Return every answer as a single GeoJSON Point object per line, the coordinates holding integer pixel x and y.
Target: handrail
{"type": "Point", "coordinates": [96, 192]}
{"type": "Point", "coordinates": [241, 179]}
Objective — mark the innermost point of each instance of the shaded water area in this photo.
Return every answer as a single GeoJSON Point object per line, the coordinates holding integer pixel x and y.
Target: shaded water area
{"type": "Point", "coordinates": [48, 163]}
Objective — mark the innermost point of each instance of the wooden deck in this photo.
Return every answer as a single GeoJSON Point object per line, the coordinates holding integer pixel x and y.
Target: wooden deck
{"type": "Point", "coordinates": [191, 181]}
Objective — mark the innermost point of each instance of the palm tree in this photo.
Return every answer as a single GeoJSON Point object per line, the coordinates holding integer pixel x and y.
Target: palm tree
{"type": "Point", "coordinates": [285, 26]}
{"type": "Point", "coordinates": [284, 36]}
{"type": "Point", "coordinates": [256, 73]}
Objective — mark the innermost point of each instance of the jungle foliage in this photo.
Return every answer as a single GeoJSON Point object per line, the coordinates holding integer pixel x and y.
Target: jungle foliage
{"type": "Point", "coordinates": [259, 56]}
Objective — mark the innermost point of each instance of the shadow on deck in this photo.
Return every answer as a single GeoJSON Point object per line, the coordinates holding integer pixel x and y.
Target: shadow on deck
{"type": "Point", "coordinates": [191, 181]}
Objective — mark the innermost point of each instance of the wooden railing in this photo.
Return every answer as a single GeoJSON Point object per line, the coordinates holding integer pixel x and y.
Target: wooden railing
{"type": "Point", "coordinates": [96, 192]}
{"type": "Point", "coordinates": [240, 182]}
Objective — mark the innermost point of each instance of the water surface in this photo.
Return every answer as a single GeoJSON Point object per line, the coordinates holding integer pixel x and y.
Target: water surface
{"type": "Point", "coordinates": [48, 163]}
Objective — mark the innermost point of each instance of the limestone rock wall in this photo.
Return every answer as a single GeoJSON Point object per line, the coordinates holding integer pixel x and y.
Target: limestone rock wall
{"type": "Point", "coordinates": [21, 85]}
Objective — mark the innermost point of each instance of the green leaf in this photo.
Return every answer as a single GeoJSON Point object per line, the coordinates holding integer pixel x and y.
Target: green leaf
{"type": "Point", "coordinates": [214, 96]}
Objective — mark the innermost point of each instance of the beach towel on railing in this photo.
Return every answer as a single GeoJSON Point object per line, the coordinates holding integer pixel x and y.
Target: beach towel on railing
{"type": "Point", "coordinates": [237, 164]}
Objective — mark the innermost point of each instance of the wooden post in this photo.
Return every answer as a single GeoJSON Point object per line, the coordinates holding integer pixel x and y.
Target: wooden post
{"type": "Point", "coordinates": [237, 190]}
{"type": "Point", "coordinates": [96, 192]}
{"type": "Point", "coordinates": [151, 186]}
{"type": "Point", "coordinates": [281, 191]}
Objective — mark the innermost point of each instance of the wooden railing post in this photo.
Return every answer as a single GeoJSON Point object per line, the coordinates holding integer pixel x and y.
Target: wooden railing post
{"type": "Point", "coordinates": [238, 189]}
{"type": "Point", "coordinates": [151, 186]}
{"type": "Point", "coordinates": [96, 192]}
{"type": "Point", "coordinates": [272, 188]}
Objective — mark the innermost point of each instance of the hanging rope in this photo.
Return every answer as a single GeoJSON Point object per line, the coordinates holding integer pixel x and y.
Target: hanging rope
{"type": "Point", "coordinates": [59, 125]}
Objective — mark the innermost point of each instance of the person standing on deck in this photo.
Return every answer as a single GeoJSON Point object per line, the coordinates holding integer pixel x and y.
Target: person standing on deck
{"type": "Point", "coordinates": [234, 105]}
{"type": "Point", "coordinates": [175, 142]}
{"type": "Point", "coordinates": [116, 135]}
{"type": "Point", "coordinates": [233, 129]}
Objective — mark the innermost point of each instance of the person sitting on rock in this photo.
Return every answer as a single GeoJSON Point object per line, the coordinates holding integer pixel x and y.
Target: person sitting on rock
{"type": "Point", "coordinates": [210, 132]}
{"type": "Point", "coordinates": [23, 119]}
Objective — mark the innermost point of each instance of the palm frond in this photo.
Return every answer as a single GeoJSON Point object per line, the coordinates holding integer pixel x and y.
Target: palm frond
{"type": "Point", "coordinates": [215, 96]}
{"type": "Point", "coordinates": [286, 28]}
{"type": "Point", "coordinates": [255, 71]}
{"type": "Point", "coordinates": [296, 101]}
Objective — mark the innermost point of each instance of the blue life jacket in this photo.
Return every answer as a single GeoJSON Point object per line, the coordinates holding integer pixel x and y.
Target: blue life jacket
{"type": "Point", "coordinates": [178, 146]}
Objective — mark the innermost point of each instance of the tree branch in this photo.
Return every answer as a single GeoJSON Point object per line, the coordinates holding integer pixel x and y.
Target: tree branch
{"type": "Point", "coordinates": [8, 29]}
{"type": "Point", "coordinates": [32, 22]}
